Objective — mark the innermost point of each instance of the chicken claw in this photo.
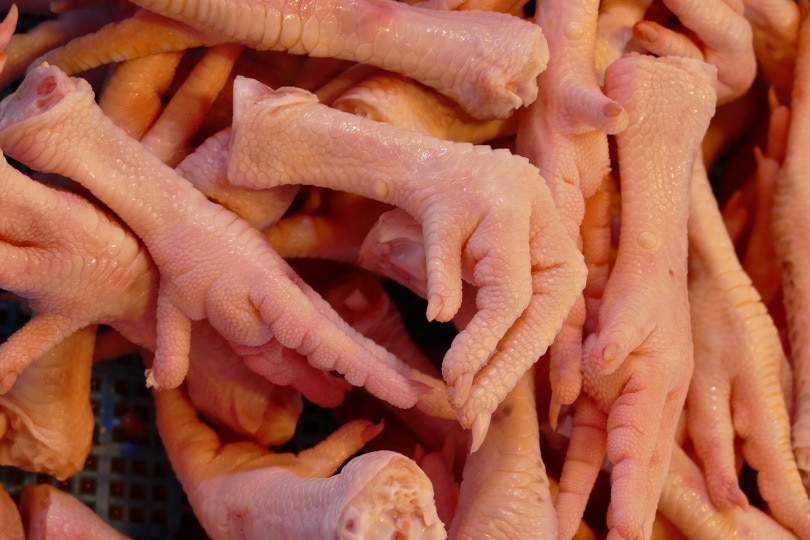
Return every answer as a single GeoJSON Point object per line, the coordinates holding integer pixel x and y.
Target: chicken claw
{"type": "Point", "coordinates": [70, 260]}
{"type": "Point", "coordinates": [240, 490]}
{"type": "Point", "coordinates": [722, 37]}
{"type": "Point", "coordinates": [481, 209]}
{"type": "Point", "coordinates": [736, 386]}
{"type": "Point", "coordinates": [638, 364]}
{"type": "Point", "coordinates": [212, 264]}
{"type": "Point", "coordinates": [487, 62]}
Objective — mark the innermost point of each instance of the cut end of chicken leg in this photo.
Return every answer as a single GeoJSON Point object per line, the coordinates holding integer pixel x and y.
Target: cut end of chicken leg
{"type": "Point", "coordinates": [397, 503]}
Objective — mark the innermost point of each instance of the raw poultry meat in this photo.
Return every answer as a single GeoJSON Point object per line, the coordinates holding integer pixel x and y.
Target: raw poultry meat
{"type": "Point", "coordinates": [737, 353]}
{"type": "Point", "coordinates": [46, 416]}
{"type": "Point", "coordinates": [526, 267]}
{"type": "Point", "coordinates": [504, 492]}
{"type": "Point", "coordinates": [111, 43]}
{"type": "Point", "coordinates": [23, 49]}
{"type": "Point", "coordinates": [50, 513]}
{"type": "Point", "coordinates": [564, 133]}
{"type": "Point", "coordinates": [241, 490]}
{"type": "Point", "coordinates": [10, 517]}
{"type": "Point", "coordinates": [73, 263]}
{"type": "Point", "coordinates": [614, 134]}
{"type": "Point", "coordinates": [403, 102]}
{"type": "Point", "coordinates": [790, 228]}
{"type": "Point", "coordinates": [170, 135]}
{"type": "Point", "coordinates": [394, 36]}
{"type": "Point", "coordinates": [207, 169]}
{"type": "Point", "coordinates": [131, 99]}
{"type": "Point", "coordinates": [775, 25]}
{"type": "Point", "coordinates": [636, 367]}
{"type": "Point", "coordinates": [192, 285]}
{"type": "Point", "coordinates": [714, 31]}
{"type": "Point", "coordinates": [225, 391]}
{"type": "Point", "coordinates": [685, 500]}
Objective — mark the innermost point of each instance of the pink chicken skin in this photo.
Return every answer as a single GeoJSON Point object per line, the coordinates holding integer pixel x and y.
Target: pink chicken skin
{"type": "Point", "coordinates": [714, 31]}
{"type": "Point", "coordinates": [72, 262]}
{"type": "Point", "coordinates": [638, 364]}
{"type": "Point", "coordinates": [78, 267]}
{"type": "Point", "coordinates": [10, 519]}
{"type": "Point", "coordinates": [355, 30]}
{"type": "Point", "coordinates": [241, 491]}
{"type": "Point", "coordinates": [685, 502]}
{"type": "Point", "coordinates": [23, 49]}
{"type": "Point", "coordinates": [564, 133]}
{"type": "Point", "coordinates": [47, 420]}
{"type": "Point", "coordinates": [590, 239]}
{"type": "Point", "coordinates": [738, 355]}
{"type": "Point", "coordinates": [508, 52]}
{"type": "Point", "coordinates": [49, 513]}
{"type": "Point", "coordinates": [526, 267]}
{"type": "Point", "coordinates": [403, 102]}
{"type": "Point", "coordinates": [791, 234]}
{"type": "Point", "coordinates": [207, 169]}
{"type": "Point", "coordinates": [505, 490]}
{"type": "Point", "coordinates": [195, 243]}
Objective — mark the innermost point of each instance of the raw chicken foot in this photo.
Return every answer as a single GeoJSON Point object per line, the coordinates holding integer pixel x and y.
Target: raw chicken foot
{"type": "Point", "coordinates": [505, 490]}
{"type": "Point", "coordinates": [195, 243]}
{"type": "Point", "coordinates": [791, 235]}
{"type": "Point", "coordinates": [207, 169]}
{"type": "Point", "coordinates": [77, 267]}
{"type": "Point", "coordinates": [46, 416]}
{"type": "Point", "coordinates": [404, 102]}
{"type": "Point", "coordinates": [685, 501]}
{"type": "Point", "coordinates": [564, 133]}
{"type": "Point", "coordinates": [638, 365]}
{"type": "Point", "coordinates": [487, 62]}
{"type": "Point", "coordinates": [722, 37]}
{"type": "Point", "coordinates": [49, 513]}
{"type": "Point", "coordinates": [73, 264]}
{"type": "Point", "coordinates": [735, 387]}
{"type": "Point", "coordinates": [240, 490]}
{"type": "Point", "coordinates": [489, 208]}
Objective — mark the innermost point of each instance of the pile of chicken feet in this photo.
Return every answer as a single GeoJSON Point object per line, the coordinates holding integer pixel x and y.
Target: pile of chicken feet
{"type": "Point", "coordinates": [227, 184]}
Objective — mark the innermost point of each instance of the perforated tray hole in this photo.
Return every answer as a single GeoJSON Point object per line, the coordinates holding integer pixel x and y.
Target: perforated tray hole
{"type": "Point", "coordinates": [87, 485]}
{"type": "Point", "coordinates": [137, 492]}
